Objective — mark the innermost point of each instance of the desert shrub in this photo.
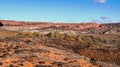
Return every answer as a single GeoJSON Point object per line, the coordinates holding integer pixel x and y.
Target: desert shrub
{"type": "Point", "coordinates": [30, 34]}
{"type": "Point", "coordinates": [79, 39]}
{"type": "Point", "coordinates": [91, 39]}
{"type": "Point", "coordinates": [53, 34]}
{"type": "Point", "coordinates": [98, 39]}
{"type": "Point", "coordinates": [26, 34]}
{"type": "Point", "coordinates": [56, 34]}
{"type": "Point", "coordinates": [84, 39]}
{"type": "Point", "coordinates": [37, 34]}
{"type": "Point", "coordinates": [70, 37]}
{"type": "Point", "coordinates": [62, 36]}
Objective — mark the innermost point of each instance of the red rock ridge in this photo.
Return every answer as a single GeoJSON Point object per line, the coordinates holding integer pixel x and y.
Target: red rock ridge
{"type": "Point", "coordinates": [75, 26]}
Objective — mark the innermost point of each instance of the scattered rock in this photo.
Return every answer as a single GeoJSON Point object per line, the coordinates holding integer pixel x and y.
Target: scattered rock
{"type": "Point", "coordinates": [41, 66]}
{"type": "Point", "coordinates": [12, 65]}
{"type": "Point", "coordinates": [1, 63]}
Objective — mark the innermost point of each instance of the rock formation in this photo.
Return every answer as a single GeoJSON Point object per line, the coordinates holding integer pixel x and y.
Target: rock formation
{"type": "Point", "coordinates": [91, 27]}
{"type": "Point", "coordinates": [1, 24]}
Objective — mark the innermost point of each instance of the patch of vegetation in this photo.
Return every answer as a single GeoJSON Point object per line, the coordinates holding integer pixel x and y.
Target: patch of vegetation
{"type": "Point", "coordinates": [30, 34]}
{"type": "Point", "coordinates": [7, 33]}
{"type": "Point", "coordinates": [53, 35]}
{"type": "Point", "coordinates": [83, 39]}
{"type": "Point", "coordinates": [81, 44]}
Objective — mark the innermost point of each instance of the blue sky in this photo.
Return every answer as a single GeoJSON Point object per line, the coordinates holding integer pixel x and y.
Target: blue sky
{"type": "Point", "coordinates": [60, 10]}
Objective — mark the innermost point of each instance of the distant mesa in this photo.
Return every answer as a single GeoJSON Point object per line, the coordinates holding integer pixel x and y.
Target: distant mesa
{"type": "Point", "coordinates": [90, 27]}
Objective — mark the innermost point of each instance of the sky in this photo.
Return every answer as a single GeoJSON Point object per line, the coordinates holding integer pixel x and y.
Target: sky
{"type": "Point", "coordinates": [103, 11]}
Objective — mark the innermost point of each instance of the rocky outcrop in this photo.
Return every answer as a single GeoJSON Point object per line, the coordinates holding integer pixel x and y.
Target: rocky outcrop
{"type": "Point", "coordinates": [1, 24]}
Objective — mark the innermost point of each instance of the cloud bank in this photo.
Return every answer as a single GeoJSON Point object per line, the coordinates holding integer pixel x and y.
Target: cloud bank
{"type": "Point", "coordinates": [106, 20]}
{"type": "Point", "coordinates": [100, 1]}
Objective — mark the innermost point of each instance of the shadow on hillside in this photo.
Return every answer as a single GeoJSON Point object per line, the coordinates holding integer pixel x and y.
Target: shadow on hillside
{"type": "Point", "coordinates": [1, 24]}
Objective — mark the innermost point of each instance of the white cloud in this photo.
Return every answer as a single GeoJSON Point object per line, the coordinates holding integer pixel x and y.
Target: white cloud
{"type": "Point", "coordinates": [100, 1]}
{"type": "Point", "coordinates": [106, 20]}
